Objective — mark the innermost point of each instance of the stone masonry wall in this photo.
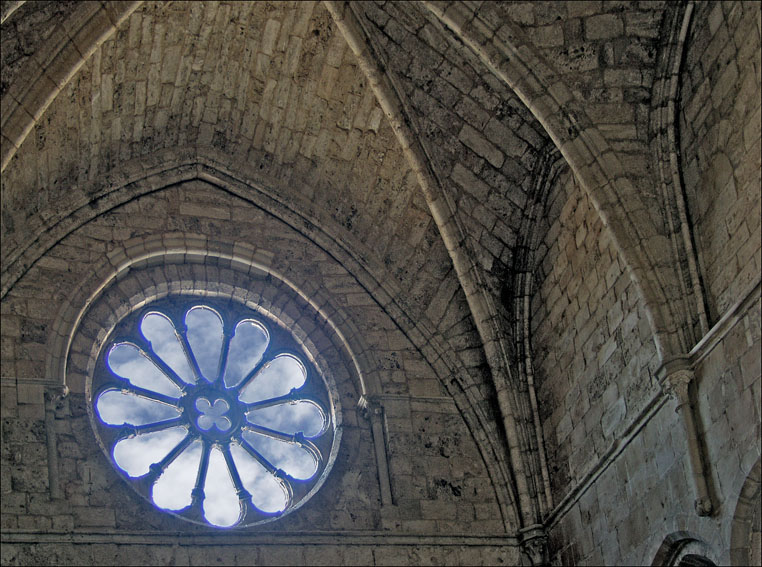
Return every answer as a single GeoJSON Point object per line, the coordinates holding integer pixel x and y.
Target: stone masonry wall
{"type": "Point", "coordinates": [593, 355]}
{"type": "Point", "coordinates": [259, 551]}
{"type": "Point", "coordinates": [26, 32]}
{"type": "Point", "coordinates": [480, 139]}
{"type": "Point", "coordinates": [300, 120]}
{"type": "Point", "coordinates": [646, 492]}
{"type": "Point", "coordinates": [440, 485]}
{"type": "Point", "coordinates": [249, 129]}
{"type": "Point", "coordinates": [719, 135]}
{"type": "Point", "coordinates": [166, 79]}
{"type": "Point", "coordinates": [605, 52]}
{"type": "Point", "coordinates": [720, 146]}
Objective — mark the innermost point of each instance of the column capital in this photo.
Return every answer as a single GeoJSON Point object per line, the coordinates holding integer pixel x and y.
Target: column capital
{"type": "Point", "coordinates": [677, 384]}
{"type": "Point", "coordinates": [672, 365]}
{"type": "Point", "coordinates": [534, 543]}
{"type": "Point", "coordinates": [369, 406]}
{"type": "Point", "coordinates": [55, 398]}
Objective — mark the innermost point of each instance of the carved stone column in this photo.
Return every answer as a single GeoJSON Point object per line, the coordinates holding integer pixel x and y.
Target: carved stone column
{"type": "Point", "coordinates": [372, 410]}
{"type": "Point", "coordinates": [534, 544]}
{"type": "Point", "coordinates": [677, 384]}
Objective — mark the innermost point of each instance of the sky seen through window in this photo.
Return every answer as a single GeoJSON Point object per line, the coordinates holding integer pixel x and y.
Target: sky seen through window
{"type": "Point", "coordinates": [219, 384]}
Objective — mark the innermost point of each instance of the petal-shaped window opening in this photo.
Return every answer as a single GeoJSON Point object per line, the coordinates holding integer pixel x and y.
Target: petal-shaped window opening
{"type": "Point", "coordinates": [267, 493]}
{"type": "Point", "coordinates": [135, 455]}
{"type": "Point", "coordinates": [293, 459]}
{"type": "Point", "coordinates": [126, 361]}
{"type": "Point", "coordinates": [117, 408]}
{"type": "Point", "coordinates": [221, 505]}
{"type": "Point", "coordinates": [160, 332]}
{"type": "Point", "coordinates": [277, 378]}
{"type": "Point", "coordinates": [204, 332]}
{"type": "Point", "coordinates": [247, 346]}
{"type": "Point", "coordinates": [173, 490]}
{"type": "Point", "coordinates": [291, 418]}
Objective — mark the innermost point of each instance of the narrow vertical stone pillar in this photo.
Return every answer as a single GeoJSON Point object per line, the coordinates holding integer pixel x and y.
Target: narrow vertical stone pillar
{"type": "Point", "coordinates": [372, 410]}
{"type": "Point", "coordinates": [53, 399]}
{"type": "Point", "coordinates": [677, 384]}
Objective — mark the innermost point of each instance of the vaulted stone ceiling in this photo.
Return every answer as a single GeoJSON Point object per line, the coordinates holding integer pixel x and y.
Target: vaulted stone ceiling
{"type": "Point", "coordinates": [281, 90]}
{"type": "Point", "coordinates": [425, 180]}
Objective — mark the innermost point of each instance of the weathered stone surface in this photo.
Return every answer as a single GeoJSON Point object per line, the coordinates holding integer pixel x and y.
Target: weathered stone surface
{"type": "Point", "coordinates": [484, 223]}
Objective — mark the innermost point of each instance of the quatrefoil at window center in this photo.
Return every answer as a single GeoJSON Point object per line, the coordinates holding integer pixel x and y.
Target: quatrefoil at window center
{"type": "Point", "coordinates": [213, 415]}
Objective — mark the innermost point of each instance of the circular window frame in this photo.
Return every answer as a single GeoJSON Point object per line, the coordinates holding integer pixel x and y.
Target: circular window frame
{"type": "Point", "coordinates": [317, 388]}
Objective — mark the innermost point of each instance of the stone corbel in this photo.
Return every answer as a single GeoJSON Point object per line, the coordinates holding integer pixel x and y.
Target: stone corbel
{"type": "Point", "coordinates": [534, 544]}
{"type": "Point", "coordinates": [372, 410]}
{"type": "Point", "coordinates": [677, 383]}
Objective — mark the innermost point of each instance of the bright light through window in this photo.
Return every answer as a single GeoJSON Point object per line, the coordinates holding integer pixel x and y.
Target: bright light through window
{"type": "Point", "coordinates": [212, 414]}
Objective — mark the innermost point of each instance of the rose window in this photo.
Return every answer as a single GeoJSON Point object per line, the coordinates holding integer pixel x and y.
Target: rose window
{"type": "Point", "coordinates": [212, 415]}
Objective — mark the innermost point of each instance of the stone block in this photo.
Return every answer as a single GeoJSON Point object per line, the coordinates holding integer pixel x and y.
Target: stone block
{"type": "Point", "coordinates": [469, 182]}
{"type": "Point", "coordinates": [481, 146]}
{"type": "Point", "coordinates": [604, 26]}
{"type": "Point", "coordinates": [30, 393]}
{"type": "Point", "coordinates": [583, 8]}
{"type": "Point", "coordinates": [94, 517]}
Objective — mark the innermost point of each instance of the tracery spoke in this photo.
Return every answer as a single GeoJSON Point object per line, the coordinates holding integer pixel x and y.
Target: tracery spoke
{"type": "Point", "coordinates": [296, 439]}
{"type": "Point", "coordinates": [292, 396]}
{"type": "Point", "coordinates": [203, 469]}
{"type": "Point", "coordinates": [297, 456]}
{"type": "Point", "coordinates": [134, 430]}
{"type": "Point", "coordinates": [291, 416]}
{"type": "Point", "coordinates": [183, 338]}
{"type": "Point", "coordinates": [252, 374]}
{"type": "Point", "coordinates": [272, 469]}
{"type": "Point", "coordinates": [239, 489]}
{"type": "Point", "coordinates": [226, 337]}
{"type": "Point", "coordinates": [157, 468]}
{"type": "Point", "coordinates": [165, 369]}
{"type": "Point", "coordinates": [148, 394]}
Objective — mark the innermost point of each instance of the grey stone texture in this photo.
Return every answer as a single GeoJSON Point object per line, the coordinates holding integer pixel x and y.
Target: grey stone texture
{"type": "Point", "coordinates": [720, 127]}
{"type": "Point", "coordinates": [594, 360]}
{"type": "Point", "coordinates": [505, 225]}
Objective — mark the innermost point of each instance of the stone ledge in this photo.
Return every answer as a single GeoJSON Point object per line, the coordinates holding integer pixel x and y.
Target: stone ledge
{"type": "Point", "coordinates": [376, 538]}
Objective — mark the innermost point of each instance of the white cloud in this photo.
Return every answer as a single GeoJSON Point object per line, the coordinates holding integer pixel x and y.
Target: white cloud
{"type": "Point", "coordinates": [205, 339]}
{"type": "Point", "coordinates": [136, 454]}
{"type": "Point", "coordinates": [221, 504]}
{"type": "Point", "coordinates": [276, 379]}
{"type": "Point", "coordinates": [158, 329]}
{"type": "Point", "coordinates": [290, 418]}
{"type": "Point", "coordinates": [267, 494]}
{"type": "Point", "coordinates": [247, 346]}
{"type": "Point", "coordinates": [117, 408]}
{"type": "Point", "coordinates": [126, 361]}
{"type": "Point", "coordinates": [174, 487]}
{"type": "Point", "coordinates": [292, 459]}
